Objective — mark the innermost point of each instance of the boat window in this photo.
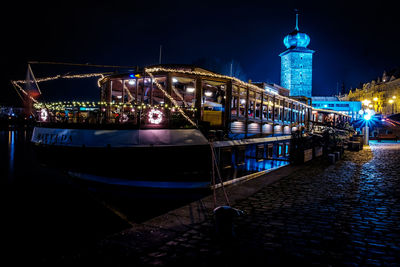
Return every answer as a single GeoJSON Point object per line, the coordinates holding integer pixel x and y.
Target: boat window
{"type": "Point", "coordinates": [157, 96]}
{"type": "Point", "coordinates": [270, 151]}
{"type": "Point", "coordinates": [235, 101]}
{"type": "Point", "coordinates": [139, 91]}
{"type": "Point", "coordinates": [287, 112]}
{"type": "Point", "coordinates": [251, 106]}
{"type": "Point", "coordinates": [129, 90]}
{"type": "Point", "coordinates": [184, 91]}
{"type": "Point", "coordinates": [280, 150]}
{"type": "Point", "coordinates": [147, 86]}
{"type": "Point", "coordinates": [277, 110]}
{"type": "Point", "coordinates": [258, 106]}
{"type": "Point", "coordinates": [265, 107]}
{"type": "Point", "coordinates": [213, 102]}
{"type": "Point", "coordinates": [235, 105]}
{"type": "Point", "coordinates": [270, 109]}
{"type": "Point", "coordinates": [116, 91]}
{"type": "Point", "coordinates": [287, 149]}
{"type": "Point", "coordinates": [242, 102]}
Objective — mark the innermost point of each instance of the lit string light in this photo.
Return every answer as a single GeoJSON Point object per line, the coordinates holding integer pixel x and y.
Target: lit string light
{"type": "Point", "coordinates": [170, 98]}
{"type": "Point", "coordinates": [79, 76]}
{"type": "Point", "coordinates": [151, 70]}
{"type": "Point", "coordinates": [155, 116]}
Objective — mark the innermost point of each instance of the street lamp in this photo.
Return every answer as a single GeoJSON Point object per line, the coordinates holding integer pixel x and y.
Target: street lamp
{"type": "Point", "coordinates": [391, 102]}
{"type": "Point", "coordinates": [367, 116]}
{"type": "Point", "coordinates": [366, 102]}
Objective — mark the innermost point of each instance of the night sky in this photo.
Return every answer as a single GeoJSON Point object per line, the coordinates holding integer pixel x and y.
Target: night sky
{"type": "Point", "coordinates": [354, 42]}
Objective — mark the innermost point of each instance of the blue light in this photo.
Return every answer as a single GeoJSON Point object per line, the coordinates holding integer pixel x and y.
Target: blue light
{"type": "Point", "coordinates": [132, 75]}
{"type": "Point", "coordinates": [367, 117]}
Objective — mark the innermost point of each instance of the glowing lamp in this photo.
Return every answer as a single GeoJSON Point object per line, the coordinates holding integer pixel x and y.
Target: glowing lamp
{"type": "Point", "coordinates": [366, 102]}
{"type": "Point", "coordinates": [208, 93]}
{"type": "Point", "coordinates": [131, 82]}
{"type": "Point", "coordinates": [375, 99]}
{"type": "Point", "coordinates": [391, 101]}
{"type": "Point", "coordinates": [43, 114]}
{"type": "Point", "coordinates": [190, 89]}
{"type": "Point", "coordinates": [155, 116]}
{"type": "Point", "coordinates": [367, 117]}
{"type": "Point", "coordinates": [394, 97]}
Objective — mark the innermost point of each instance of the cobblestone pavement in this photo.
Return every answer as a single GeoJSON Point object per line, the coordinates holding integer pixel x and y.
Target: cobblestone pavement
{"type": "Point", "coordinates": [329, 215]}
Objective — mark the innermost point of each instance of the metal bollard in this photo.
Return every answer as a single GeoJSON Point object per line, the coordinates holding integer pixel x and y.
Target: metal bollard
{"type": "Point", "coordinates": [224, 216]}
{"type": "Point", "coordinates": [331, 158]}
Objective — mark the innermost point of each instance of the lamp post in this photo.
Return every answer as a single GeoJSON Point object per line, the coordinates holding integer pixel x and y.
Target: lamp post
{"type": "Point", "coordinates": [367, 117]}
{"type": "Point", "coordinates": [391, 102]}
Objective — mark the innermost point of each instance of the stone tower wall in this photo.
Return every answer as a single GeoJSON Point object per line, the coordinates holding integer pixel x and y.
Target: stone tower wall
{"type": "Point", "coordinates": [296, 73]}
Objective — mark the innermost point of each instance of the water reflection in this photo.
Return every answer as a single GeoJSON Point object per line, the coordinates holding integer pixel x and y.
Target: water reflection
{"type": "Point", "coordinates": [11, 154]}
{"type": "Point", "coordinates": [53, 203]}
{"type": "Point", "coordinates": [252, 165]}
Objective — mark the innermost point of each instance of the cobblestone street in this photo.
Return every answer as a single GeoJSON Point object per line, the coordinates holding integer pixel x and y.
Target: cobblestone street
{"type": "Point", "coordinates": [330, 215]}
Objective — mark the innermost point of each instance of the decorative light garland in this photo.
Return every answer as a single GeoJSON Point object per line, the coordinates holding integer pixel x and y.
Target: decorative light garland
{"type": "Point", "coordinates": [155, 116]}
{"type": "Point", "coordinates": [43, 114]}
{"type": "Point", "coordinates": [89, 75]}
{"type": "Point", "coordinates": [170, 98]}
{"type": "Point", "coordinates": [159, 69]}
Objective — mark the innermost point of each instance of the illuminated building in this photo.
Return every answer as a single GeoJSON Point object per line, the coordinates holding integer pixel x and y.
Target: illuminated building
{"type": "Point", "coordinates": [382, 95]}
{"type": "Point", "coordinates": [350, 108]}
{"type": "Point", "coordinates": [296, 63]}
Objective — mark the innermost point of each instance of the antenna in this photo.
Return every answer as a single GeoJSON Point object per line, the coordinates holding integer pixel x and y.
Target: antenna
{"type": "Point", "coordinates": [297, 19]}
{"type": "Point", "coordinates": [159, 59]}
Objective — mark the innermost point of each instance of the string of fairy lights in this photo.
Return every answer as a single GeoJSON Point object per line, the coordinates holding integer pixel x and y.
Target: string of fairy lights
{"type": "Point", "coordinates": [214, 75]}
{"type": "Point", "coordinates": [17, 83]}
{"type": "Point", "coordinates": [170, 98]}
{"type": "Point", "coordinates": [59, 106]}
{"type": "Point", "coordinates": [64, 105]}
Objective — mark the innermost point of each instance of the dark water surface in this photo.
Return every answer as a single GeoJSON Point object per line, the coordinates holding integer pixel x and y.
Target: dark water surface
{"type": "Point", "coordinates": [45, 215]}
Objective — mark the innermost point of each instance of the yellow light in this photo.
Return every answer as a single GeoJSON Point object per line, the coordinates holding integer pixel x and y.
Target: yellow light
{"type": "Point", "coordinates": [366, 102]}
{"type": "Point", "coordinates": [391, 101]}
{"type": "Point", "coordinates": [375, 99]}
{"type": "Point", "coordinates": [394, 97]}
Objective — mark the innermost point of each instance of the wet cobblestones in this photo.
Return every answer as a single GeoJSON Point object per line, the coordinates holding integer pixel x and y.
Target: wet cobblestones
{"type": "Point", "coordinates": [330, 215]}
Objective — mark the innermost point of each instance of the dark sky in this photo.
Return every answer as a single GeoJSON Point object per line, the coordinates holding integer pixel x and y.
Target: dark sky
{"type": "Point", "coordinates": [354, 41]}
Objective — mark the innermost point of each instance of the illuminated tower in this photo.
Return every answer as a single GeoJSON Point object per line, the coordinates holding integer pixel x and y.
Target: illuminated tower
{"type": "Point", "coordinates": [296, 63]}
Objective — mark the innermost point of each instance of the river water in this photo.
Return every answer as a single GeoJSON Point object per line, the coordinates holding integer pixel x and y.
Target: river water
{"type": "Point", "coordinates": [45, 215]}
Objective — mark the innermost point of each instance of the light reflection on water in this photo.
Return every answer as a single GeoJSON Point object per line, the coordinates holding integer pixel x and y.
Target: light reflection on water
{"type": "Point", "coordinates": [252, 165]}
{"type": "Point", "coordinates": [11, 154]}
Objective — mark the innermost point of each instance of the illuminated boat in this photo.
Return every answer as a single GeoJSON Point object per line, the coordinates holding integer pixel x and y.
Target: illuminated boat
{"type": "Point", "coordinates": [154, 129]}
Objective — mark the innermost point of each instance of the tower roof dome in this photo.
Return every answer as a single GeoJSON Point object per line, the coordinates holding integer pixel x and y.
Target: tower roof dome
{"type": "Point", "coordinates": [296, 38]}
